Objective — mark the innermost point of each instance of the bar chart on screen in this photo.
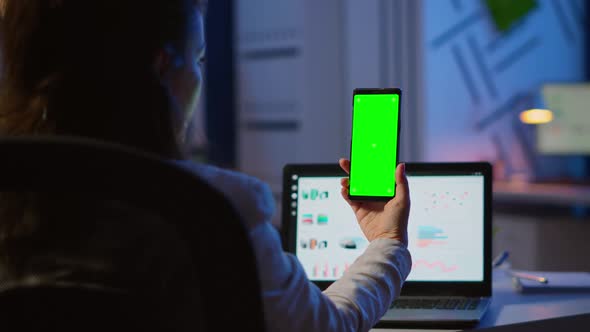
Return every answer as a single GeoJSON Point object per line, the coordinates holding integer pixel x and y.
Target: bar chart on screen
{"type": "Point", "coordinates": [329, 237]}
{"type": "Point", "coordinates": [430, 235]}
{"type": "Point", "coordinates": [328, 270]}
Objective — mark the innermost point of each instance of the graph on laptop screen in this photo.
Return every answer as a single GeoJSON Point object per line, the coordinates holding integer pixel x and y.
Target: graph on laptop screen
{"type": "Point", "coordinates": [445, 228]}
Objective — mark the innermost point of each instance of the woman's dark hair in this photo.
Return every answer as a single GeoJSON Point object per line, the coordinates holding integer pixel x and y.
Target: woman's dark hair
{"type": "Point", "coordinates": [86, 68]}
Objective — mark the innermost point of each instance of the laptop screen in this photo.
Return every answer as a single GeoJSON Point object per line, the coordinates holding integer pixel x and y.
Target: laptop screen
{"type": "Point", "coordinates": [446, 227]}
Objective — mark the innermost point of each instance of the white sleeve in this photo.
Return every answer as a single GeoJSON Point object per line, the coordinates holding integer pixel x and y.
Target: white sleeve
{"type": "Point", "coordinates": [291, 302]}
{"type": "Point", "coordinates": [356, 302]}
{"type": "Point", "coordinates": [371, 284]}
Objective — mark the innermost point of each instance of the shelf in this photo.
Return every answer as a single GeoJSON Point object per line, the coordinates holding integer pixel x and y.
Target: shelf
{"type": "Point", "coordinates": [541, 193]}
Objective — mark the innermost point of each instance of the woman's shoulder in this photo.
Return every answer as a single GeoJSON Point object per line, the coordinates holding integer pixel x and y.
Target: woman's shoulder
{"type": "Point", "coordinates": [249, 195]}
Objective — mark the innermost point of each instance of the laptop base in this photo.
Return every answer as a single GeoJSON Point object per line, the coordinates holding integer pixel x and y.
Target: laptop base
{"type": "Point", "coordinates": [434, 318]}
{"type": "Point", "coordinates": [460, 325]}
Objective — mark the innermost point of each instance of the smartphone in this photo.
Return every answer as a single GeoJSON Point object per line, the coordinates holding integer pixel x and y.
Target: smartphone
{"type": "Point", "coordinates": [374, 143]}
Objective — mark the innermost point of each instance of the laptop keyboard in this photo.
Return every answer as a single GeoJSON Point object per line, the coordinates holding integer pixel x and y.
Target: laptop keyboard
{"type": "Point", "coordinates": [447, 304]}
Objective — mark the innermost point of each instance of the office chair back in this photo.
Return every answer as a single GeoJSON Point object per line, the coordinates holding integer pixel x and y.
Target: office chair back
{"type": "Point", "coordinates": [53, 308]}
{"type": "Point", "coordinates": [226, 278]}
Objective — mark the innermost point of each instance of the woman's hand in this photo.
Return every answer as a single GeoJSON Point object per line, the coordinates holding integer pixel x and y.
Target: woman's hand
{"type": "Point", "coordinates": [382, 219]}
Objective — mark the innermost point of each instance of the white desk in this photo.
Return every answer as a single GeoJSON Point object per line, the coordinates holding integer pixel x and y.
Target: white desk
{"type": "Point", "coordinates": [509, 307]}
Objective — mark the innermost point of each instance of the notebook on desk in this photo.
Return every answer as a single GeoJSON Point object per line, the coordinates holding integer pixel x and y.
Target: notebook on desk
{"type": "Point", "coordinates": [449, 232]}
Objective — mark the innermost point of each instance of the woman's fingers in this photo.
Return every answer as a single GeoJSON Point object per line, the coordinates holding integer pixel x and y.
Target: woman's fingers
{"type": "Point", "coordinates": [345, 165]}
{"type": "Point", "coordinates": [402, 190]}
{"type": "Point", "coordinates": [345, 182]}
{"type": "Point", "coordinates": [344, 192]}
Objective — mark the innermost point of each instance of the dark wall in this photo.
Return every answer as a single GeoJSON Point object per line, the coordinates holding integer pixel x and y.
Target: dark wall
{"type": "Point", "coordinates": [587, 51]}
{"type": "Point", "coordinates": [219, 86]}
{"type": "Point", "coordinates": [587, 20]}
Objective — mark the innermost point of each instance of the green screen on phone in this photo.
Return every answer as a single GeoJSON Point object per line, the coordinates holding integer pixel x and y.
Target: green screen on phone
{"type": "Point", "coordinates": [374, 145]}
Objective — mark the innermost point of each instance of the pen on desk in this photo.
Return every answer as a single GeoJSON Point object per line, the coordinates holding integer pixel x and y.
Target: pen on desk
{"type": "Point", "coordinates": [521, 275]}
{"type": "Point", "coordinates": [500, 258]}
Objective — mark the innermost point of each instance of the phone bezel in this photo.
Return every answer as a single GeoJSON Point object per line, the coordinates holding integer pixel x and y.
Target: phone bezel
{"type": "Point", "coordinates": [371, 91]}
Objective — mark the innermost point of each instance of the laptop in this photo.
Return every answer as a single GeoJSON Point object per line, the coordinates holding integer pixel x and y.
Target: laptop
{"type": "Point", "coordinates": [449, 232]}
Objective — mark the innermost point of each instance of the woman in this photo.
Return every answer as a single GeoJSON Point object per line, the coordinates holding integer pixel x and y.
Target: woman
{"type": "Point", "coordinates": [129, 72]}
